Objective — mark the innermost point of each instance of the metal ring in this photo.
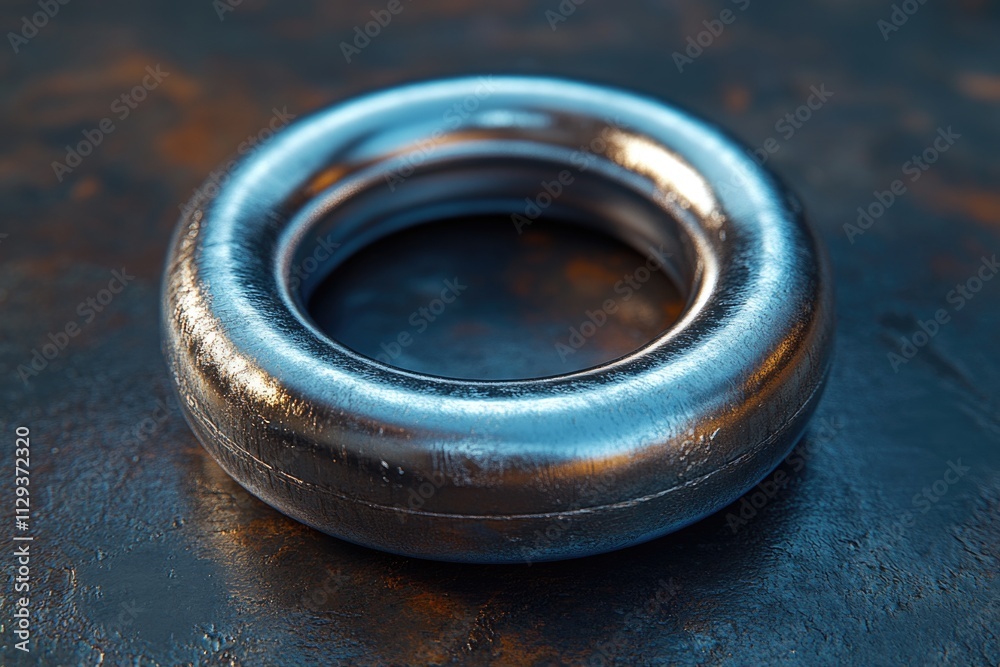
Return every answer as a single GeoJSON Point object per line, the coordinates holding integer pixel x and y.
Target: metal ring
{"type": "Point", "coordinates": [497, 471]}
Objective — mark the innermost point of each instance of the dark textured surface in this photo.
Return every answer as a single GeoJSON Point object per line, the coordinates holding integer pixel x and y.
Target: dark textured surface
{"type": "Point", "coordinates": [146, 553]}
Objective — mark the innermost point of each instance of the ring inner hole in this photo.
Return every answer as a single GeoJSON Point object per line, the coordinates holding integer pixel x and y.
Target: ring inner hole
{"type": "Point", "coordinates": [442, 278]}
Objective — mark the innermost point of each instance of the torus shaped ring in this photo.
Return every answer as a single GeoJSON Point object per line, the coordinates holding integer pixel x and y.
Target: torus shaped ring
{"type": "Point", "coordinates": [498, 471]}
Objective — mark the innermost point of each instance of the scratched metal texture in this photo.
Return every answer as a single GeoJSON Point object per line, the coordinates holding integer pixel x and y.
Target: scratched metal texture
{"type": "Point", "coordinates": [145, 553]}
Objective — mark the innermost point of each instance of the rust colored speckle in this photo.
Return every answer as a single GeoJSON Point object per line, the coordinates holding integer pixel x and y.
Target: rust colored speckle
{"type": "Point", "coordinates": [980, 86]}
{"type": "Point", "coordinates": [980, 205]}
{"type": "Point", "coordinates": [736, 99]}
{"type": "Point", "coordinates": [86, 188]}
{"type": "Point", "coordinates": [584, 272]}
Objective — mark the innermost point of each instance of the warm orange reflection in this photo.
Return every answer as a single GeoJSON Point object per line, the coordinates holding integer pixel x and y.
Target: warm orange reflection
{"type": "Point", "coordinates": [677, 179]}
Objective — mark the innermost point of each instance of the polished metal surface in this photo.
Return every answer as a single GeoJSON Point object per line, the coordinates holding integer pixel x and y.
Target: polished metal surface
{"type": "Point", "coordinates": [498, 471]}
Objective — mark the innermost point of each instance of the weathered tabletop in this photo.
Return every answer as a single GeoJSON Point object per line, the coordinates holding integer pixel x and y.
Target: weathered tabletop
{"type": "Point", "coordinates": [877, 543]}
